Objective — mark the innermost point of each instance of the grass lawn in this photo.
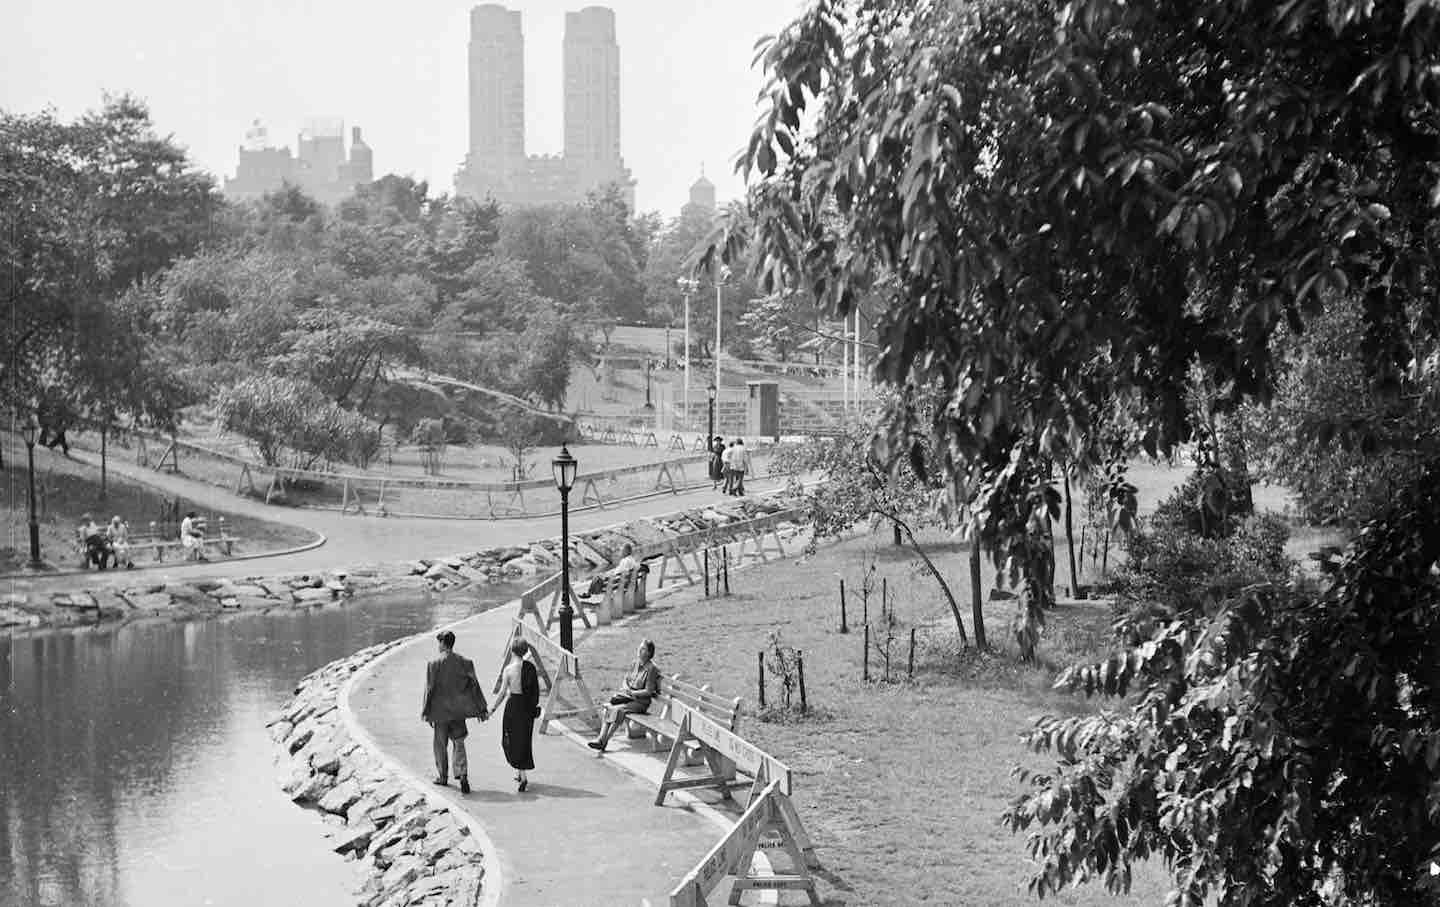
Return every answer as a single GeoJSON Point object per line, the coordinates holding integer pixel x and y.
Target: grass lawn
{"type": "Point", "coordinates": [901, 784]}
{"type": "Point", "coordinates": [67, 489]}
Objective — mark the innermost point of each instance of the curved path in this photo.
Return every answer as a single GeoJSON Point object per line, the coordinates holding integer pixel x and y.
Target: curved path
{"type": "Point", "coordinates": [586, 832]}
{"type": "Point", "coordinates": [351, 540]}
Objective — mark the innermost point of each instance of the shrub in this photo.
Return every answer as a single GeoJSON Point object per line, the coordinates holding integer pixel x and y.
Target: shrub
{"type": "Point", "coordinates": [1175, 572]}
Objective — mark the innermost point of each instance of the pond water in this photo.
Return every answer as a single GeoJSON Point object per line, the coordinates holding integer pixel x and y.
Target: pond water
{"type": "Point", "coordinates": [136, 771]}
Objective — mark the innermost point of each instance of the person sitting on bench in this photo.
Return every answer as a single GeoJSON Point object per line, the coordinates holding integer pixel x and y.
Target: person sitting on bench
{"type": "Point", "coordinates": [641, 685]}
{"type": "Point", "coordinates": [192, 536]}
{"type": "Point", "coordinates": [119, 534]}
{"type": "Point", "coordinates": [97, 546]}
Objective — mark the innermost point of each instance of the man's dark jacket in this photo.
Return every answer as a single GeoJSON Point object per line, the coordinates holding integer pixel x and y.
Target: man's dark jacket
{"type": "Point", "coordinates": [452, 691]}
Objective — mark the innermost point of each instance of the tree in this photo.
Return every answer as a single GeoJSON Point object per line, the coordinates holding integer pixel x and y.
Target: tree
{"type": "Point", "coordinates": [282, 415]}
{"type": "Point", "coordinates": [1080, 202]}
{"type": "Point", "coordinates": [856, 487]}
{"type": "Point", "coordinates": [90, 209]}
{"type": "Point", "coordinates": [343, 355]}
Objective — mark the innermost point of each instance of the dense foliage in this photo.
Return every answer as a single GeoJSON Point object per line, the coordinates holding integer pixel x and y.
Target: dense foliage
{"type": "Point", "coordinates": [1072, 208]}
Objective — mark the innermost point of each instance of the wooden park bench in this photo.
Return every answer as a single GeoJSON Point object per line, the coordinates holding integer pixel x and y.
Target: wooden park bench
{"type": "Point", "coordinates": [623, 593]}
{"type": "Point", "coordinates": [663, 722]}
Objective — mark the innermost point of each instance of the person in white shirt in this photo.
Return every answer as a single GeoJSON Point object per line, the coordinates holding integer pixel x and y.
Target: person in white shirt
{"type": "Point", "coordinates": [727, 460]}
{"type": "Point", "coordinates": [192, 537]}
{"type": "Point", "coordinates": [740, 463]}
{"type": "Point", "coordinates": [627, 559]}
{"type": "Point", "coordinates": [119, 533]}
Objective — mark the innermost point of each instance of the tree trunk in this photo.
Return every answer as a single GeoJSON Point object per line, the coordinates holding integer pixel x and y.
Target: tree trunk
{"type": "Point", "coordinates": [977, 605]}
{"type": "Point", "coordinates": [1070, 539]}
{"type": "Point", "coordinates": [939, 579]}
{"type": "Point", "coordinates": [104, 433]}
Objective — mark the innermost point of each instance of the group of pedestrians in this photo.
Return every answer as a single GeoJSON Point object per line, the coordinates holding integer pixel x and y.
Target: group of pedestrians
{"type": "Point", "coordinates": [453, 696]}
{"type": "Point", "coordinates": [728, 464]}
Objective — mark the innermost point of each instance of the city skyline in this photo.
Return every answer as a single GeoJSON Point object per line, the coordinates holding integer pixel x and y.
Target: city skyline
{"type": "Point", "coordinates": [687, 88]}
{"type": "Point", "coordinates": [496, 164]}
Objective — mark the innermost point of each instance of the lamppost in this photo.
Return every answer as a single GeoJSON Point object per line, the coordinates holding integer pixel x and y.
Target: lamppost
{"type": "Point", "coordinates": [28, 432]}
{"type": "Point", "coordinates": [649, 367]}
{"type": "Point", "coordinates": [565, 466]}
{"type": "Point", "coordinates": [710, 438]}
{"type": "Point", "coordinates": [720, 279]}
{"type": "Point", "coordinates": [688, 286]}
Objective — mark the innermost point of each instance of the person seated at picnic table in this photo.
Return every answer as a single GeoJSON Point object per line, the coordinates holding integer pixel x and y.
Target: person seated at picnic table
{"type": "Point", "coordinates": [97, 545]}
{"type": "Point", "coordinates": [642, 684]}
{"type": "Point", "coordinates": [192, 536]}
{"type": "Point", "coordinates": [118, 532]}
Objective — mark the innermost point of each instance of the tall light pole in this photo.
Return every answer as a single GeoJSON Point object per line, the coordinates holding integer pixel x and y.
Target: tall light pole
{"type": "Point", "coordinates": [688, 286]}
{"type": "Point", "coordinates": [649, 365]}
{"type": "Point", "coordinates": [720, 279]}
{"type": "Point", "coordinates": [710, 438]}
{"type": "Point", "coordinates": [28, 432]}
{"type": "Point", "coordinates": [564, 467]}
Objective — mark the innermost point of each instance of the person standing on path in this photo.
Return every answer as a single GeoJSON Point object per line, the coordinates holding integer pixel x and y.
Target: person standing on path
{"type": "Point", "coordinates": [642, 684]}
{"type": "Point", "coordinates": [727, 459]}
{"type": "Point", "coordinates": [717, 461]}
{"type": "Point", "coordinates": [740, 460]}
{"type": "Point", "coordinates": [452, 694]}
{"type": "Point", "coordinates": [520, 691]}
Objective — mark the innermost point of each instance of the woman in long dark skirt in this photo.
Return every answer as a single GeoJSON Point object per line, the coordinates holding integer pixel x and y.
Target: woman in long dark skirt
{"type": "Point", "coordinates": [521, 692]}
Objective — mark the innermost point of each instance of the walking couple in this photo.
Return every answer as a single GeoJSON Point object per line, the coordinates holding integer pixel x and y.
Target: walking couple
{"type": "Point", "coordinates": [453, 694]}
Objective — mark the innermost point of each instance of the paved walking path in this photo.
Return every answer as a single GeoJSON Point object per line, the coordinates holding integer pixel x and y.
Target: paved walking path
{"type": "Point", "coordinates": [586, 832]}
{"type": "Point", "coordinates": [351, 540]}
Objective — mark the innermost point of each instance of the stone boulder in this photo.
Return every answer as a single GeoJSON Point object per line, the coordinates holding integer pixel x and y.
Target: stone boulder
{"type": "Point", "coordinates": [341, 798]}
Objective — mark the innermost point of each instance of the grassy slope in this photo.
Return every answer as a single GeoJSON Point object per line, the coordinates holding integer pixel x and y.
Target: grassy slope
{"type": "Point", "coordinates": [902, 784]}
{"type": "Point", "coordinates": [67, 489]}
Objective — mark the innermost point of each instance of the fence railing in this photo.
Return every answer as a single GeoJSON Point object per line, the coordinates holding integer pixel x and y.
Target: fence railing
{"type": "Point", "coordinates": [414, 496]}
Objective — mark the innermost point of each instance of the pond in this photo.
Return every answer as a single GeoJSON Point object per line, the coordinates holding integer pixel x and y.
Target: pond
{"type": "Point", "coordinates": [135, 768]}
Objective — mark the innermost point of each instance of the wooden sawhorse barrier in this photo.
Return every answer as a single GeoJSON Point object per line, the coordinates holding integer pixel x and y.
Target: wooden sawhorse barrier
{"type": "Point", "coordinates": [770, 822]}
{"type": "Point", "coordinates": [545, 650]}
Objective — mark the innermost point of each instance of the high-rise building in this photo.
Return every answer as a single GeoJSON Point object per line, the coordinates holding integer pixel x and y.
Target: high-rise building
{"type": "Point", "coordinates": [592, 87]}
{"type": "Point", "coordinates": [497, 166]}
{"type": "Point", "coordinates": [497, 87]}
{"type": "Point", "coordinates": [320, 168]}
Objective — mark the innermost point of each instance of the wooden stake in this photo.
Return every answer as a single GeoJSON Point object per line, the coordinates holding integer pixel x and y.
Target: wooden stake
{"type": "Point", "coordinates": [725, 562]}
{"type": "Point", "coordinates": [760, 662]}
{"type": "Point", "coordinates": [844, 628]}
{"type": "Point", "coordinates": [865, 663]}
{"type": "Point", "coordinates": [911, 670]}
{"type": "Point", "coordinates": [884, 594]}
{"type": "Point", "coordinates": [800, 666]}
{"type": "Point", "coordinates": [706, 554]}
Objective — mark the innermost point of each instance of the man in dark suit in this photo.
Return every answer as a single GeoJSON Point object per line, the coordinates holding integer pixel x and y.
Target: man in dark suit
{"type": "Point", "coordinates": [452, 694]}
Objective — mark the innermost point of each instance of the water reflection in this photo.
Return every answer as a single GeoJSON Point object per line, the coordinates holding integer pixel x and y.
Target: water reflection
{"type": "Point", "coordinates": [135, 768]}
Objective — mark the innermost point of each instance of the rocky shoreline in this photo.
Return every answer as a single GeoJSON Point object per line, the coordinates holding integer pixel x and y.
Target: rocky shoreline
{"type": "Point", "coordinates": [418, 851]}
{"type": "Point", "coordinates": [200, 599]}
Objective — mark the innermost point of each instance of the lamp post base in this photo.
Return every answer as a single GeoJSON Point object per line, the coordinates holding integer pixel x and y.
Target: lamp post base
{"type": "Point", "coordinates": [567, 627]}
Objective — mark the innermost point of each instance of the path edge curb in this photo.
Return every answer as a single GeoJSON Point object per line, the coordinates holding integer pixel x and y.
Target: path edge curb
{"type": "Point", "coordinates": [493, 882]}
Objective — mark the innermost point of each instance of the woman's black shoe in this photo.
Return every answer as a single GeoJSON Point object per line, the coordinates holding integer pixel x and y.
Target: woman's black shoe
{"type": "Point", "coordinates": [464, 784]}
{"type": "Point", "coordinates": [524, 784]}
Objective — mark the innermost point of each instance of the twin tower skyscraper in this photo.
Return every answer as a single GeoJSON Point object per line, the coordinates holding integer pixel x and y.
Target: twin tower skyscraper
{"type": "Point", "coordinates": [497, 166]}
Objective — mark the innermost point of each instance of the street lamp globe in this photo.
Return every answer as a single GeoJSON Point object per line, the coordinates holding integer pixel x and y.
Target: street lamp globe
{"type": "Point", "coordinates": [28, 432]}
{"type": "Point", "coordinates": [564, 466]}
{"type": "Point", "coordinates": [711, 390]}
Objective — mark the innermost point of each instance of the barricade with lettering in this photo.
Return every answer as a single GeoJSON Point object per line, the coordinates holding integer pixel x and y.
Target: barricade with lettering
{"type": "Point", "coordinates": [771, 822]}
{"type": "Point", "coordinates": [543, 651]}
{"type": "Point", "coordinates": [724, 751]}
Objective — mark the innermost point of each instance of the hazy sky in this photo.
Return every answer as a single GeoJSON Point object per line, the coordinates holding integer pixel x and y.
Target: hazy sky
{"type": "Point", "coordinates": [398, 70]}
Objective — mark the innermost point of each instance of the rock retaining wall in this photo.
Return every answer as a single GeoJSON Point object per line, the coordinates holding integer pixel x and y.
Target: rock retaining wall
{"type": "Point", "coordinates": [418, 852]}
{"type": "Point", "coordinates": [597, 549]}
